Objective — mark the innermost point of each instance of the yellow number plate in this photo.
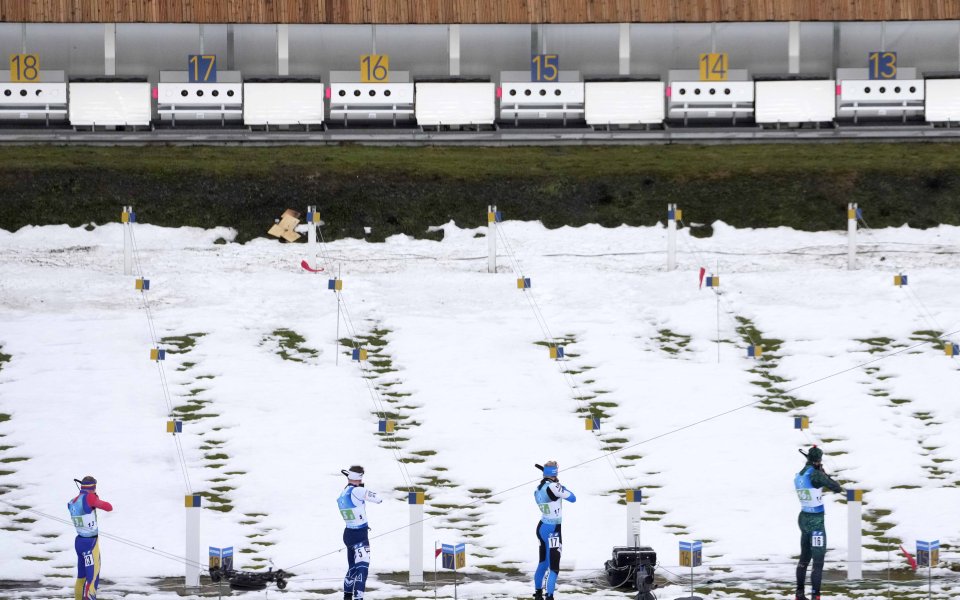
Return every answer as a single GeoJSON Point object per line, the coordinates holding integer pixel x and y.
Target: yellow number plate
{"type": "Point", "coordinates": [24, 68]}
{"type": "Point", "coordinates": [714, 67]}
{"type": "Point", "coordinates": [375, 68]}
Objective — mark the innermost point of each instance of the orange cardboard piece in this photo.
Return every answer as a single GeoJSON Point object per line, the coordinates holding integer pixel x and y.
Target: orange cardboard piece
{"type": "Point", "coordinates": [285, 228]}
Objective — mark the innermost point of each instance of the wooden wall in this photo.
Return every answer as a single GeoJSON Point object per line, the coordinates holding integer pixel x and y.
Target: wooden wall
{"type": "Point", "coordinates": [470, 11]}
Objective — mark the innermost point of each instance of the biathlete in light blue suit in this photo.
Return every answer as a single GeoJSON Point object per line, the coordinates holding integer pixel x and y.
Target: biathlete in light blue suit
{"type": "Point", "coordinates": [549, 497]}
{"type": "Point", "coordinates": [352, 503]}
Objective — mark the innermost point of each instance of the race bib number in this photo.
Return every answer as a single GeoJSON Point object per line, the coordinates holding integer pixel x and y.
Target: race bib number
{"type": "Point", "coordinates": [87, 559]}
{"type": "Point", "coordinates": [361, 553]}
{"type": "Point", "coordinates": [818, 539]}
{"type": "Point", "coordinates": [554, 541]}
{"type": "Point", "coordinates": [347, 514]}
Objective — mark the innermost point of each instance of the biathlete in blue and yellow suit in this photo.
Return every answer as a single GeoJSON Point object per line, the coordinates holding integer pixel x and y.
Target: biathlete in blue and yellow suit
{"type": "Point", "coordinates": [549, 497]}
{"type": "Point", "coordinates": [809, 483]}
{"type": "Point", "coordinates": [352, 503]}
{"type": "Point", "coordinates": [83, 512]}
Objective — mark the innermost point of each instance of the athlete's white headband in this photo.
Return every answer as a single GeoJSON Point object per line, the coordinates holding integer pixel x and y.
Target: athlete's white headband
{"type": "Point", "coordinates": [354, 475]}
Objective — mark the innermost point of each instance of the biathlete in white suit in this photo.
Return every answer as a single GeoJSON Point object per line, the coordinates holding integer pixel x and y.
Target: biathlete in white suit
{"type": "Point", "coordinates": [549, 497]}
{"type": "Point", "coordinates": [352, 503]}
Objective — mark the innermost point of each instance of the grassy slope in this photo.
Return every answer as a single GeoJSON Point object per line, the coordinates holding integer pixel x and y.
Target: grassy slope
{"type": "Point", "coordinates": [405, 190]}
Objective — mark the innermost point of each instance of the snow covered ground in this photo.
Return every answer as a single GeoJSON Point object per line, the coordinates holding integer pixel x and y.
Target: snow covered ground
{"type": "Point", "coordinates": [272, 413]}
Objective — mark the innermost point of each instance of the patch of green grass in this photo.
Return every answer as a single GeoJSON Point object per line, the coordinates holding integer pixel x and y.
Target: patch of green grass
{"type": "Point", "coordinates": [13, 459]}
{"type": "Point", "coordinates": [181, 344]}
{"type": "Point", "coordinates": [672, 343]}
{"type": "Point", "coordinates": [291, 345]}
{"type": "Point", "coordinates": [508, 571]}
{"type": "Point", "coordinates": [806, 186]}
{"type": "Point", "coordinates": [36, 558]}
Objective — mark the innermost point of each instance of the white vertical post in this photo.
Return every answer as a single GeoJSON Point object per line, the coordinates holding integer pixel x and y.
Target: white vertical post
{"type": "Point", "coordinates": [453, 33]}
{"type": "Point", "coordinates": [373, 38]}
{"type": "Point", "coordinates": [671, 237]}
{"type": "Point", "coordinates": [192, 575]}
{"type": "Point", "coordinates": [492, 239]}
{"type": "Point", "coordinates": [793, 48]}
{"type": "Point", "coordinates": [854, 526]}
{"type": "Point", "coordinates": [23, 38]}
{"type": "Point", "coordinates": [110, 49]}
{"type": "Point", "coordinates": [311, 226]}
{"type": "Point", "coordinates": [415, 499]}
{"type": "Point", "coordinates": [283, 50]}
{"type": "Point", "coordinates": [713, 38]}
{"type": "Point", "coordinates": [634, 514]}
{"type": "Point", "coordinates": [128, 220]}
{"type": "Point", "coordinates": [201, 38]}
{"type": "Point", "coordinates": [852, 236]}
{"type": "Point", "coordinates": [624, 48]}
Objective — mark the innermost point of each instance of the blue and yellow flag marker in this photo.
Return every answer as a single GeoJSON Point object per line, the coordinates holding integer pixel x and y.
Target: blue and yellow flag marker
{"type": "Point", "coordinates": [691, 554]}
{"type": "Point", "coordinates": [128, 217]}
{"type": "Point", "coordinates": [386, 426]}
{"type": "Point", "coordinates": [495, 217]}
{"type": "Point", "coordinates": [801, 423]}
{"type": "Point", "coordinates": [523, 283]}
{"type": "Point", "coordinates": [313, 217]}
{"type": "Point", "coordinates": [592, 423]}
{"type": "Point", "coordinates": [754, 351]}
{"type": "Point", "coordinates": [192, 501]}
{"type": "Point", "coordinates": [854, 495]}
{"type": "Point", "coordinates": [713, 281]}
{"type": "Point", "coordinates": [634, 496]}
{"type": "Point", "coordinates": [454, 556]}
{"type": "Point", "coordinates": [416, 497]}
{"type": "Point", "coordinates": [142, 284]}
{"type": "Point", "coordinates": [158, 354]}
{"type": "Point", "coordinates": [928, 553]}
{"type": "Point", "coordinates": [951, 349]}
{"type": "Point", "coordinates": [174, 426]}
{"type": "Point", "coordinates": [854, 213]}
{"type": "Point", "coordinates": [675, 215]}
{"type": "Point", "coordinates": [556, 352]}
{"type": "Point", "coordinates": [359, 354]}
{"type": "Point", "coordinates": [335, 284]}
{"type": "Point", "coordinates": [900, 280]}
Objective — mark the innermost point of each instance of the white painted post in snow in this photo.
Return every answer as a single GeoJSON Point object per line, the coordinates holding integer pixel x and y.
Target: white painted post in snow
{"type": "Point", "coordinates": [671, 237]}
{"type": "Point", "coordinates": [311, 225]}
{"type": "Point", "coordinates": [191, 577]}
{"type": "Point", "coordinates": [128, 217]}
{"type": "Point", "coordinates": [633, 498]}
{"type": "Point", "coordinates": [415, 499]}
{"type": "Point", "coordinates": [854, 526]}
{"type": "Point", "coordinates": [852, 236]}
{"type": "Point", "coordinates": [492, 239]}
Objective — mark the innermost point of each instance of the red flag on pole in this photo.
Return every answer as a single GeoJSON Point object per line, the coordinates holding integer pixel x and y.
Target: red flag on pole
{"type": "Point", "coordinates": [702, 273]}
{"type": "Point", "coordinates": [437, 552]}
{"type": "Point", "coordinates": [910, 558]}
